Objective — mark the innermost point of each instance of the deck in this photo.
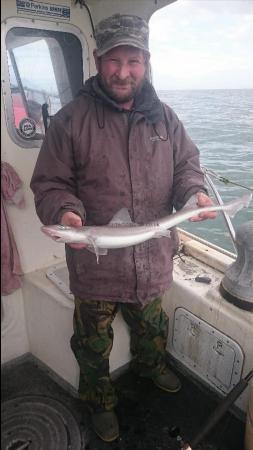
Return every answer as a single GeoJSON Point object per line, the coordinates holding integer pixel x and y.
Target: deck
{"type": "Point", "coordinates": [146, 414]}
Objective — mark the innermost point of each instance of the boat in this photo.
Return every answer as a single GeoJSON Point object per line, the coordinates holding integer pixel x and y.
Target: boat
{"type": "Point", "coordinates": [47, 53]}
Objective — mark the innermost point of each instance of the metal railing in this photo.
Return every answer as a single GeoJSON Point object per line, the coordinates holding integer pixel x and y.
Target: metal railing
{"type": "Point", "coordinates": [208, 173]}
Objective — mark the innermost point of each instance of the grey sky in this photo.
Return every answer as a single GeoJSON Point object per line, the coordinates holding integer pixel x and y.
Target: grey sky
{"type": "Point", "coordinates": [203, 44]}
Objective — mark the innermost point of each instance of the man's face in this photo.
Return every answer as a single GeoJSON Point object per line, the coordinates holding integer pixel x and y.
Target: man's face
{"type": "Point", "coordinates": [122, 72]}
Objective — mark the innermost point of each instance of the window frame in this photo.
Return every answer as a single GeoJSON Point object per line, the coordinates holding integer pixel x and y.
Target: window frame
{"type": "Point", "coordinates": [11, 23]}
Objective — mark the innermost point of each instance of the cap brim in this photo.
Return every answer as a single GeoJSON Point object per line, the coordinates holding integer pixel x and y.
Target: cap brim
{"type": "Point", "coordinates": [118, 43]}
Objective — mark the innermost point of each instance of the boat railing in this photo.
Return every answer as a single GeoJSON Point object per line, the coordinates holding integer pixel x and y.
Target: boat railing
{"type": "Point", "coordinates": [210, 173]}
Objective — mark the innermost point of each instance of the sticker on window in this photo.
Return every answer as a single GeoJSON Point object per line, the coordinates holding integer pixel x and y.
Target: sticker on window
{"type": "Point", "coordinates": [43, 9]}
{"type": "Point", "coordinates": [27, 128]}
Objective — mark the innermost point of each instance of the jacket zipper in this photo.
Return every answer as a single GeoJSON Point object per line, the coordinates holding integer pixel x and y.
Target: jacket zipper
{"type": "Point", "coordinates": [130, 123]}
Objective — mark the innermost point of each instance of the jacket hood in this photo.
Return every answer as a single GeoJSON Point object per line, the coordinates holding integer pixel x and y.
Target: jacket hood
{"type": "Point", "coordinates": [146, 101]}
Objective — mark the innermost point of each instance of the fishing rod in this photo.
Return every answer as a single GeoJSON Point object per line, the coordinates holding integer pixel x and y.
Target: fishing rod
{"type": "Point", "coordinates": [215, 416]}
{"type": "Point", "coordinates": [224, 179]}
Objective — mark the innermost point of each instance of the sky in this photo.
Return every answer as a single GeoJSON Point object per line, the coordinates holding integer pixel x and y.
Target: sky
{"type": "Point", "coordinates": [202, 44]}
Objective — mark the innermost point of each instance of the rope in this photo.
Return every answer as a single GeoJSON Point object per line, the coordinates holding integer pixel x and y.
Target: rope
{"type": "Point", "coordinates": [225, 180]}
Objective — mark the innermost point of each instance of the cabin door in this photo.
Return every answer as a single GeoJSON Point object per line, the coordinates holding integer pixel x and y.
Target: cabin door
{"type": "Point", "coordinates": [46, 56]}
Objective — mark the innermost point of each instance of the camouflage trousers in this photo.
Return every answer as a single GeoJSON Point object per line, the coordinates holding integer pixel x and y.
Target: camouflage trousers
{"type": "Point", "coordinates": [93, 339]}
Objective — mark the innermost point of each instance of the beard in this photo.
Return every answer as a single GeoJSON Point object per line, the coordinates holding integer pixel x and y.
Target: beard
{"type": "Point", "coordinates": [121, 97]}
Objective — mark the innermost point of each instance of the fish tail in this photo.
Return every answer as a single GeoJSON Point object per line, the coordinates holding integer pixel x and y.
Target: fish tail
{"type": "Point", "coordinates": [233, 207]}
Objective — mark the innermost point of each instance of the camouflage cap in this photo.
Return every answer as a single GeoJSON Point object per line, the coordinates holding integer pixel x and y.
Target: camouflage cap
{"type": "Point", "coordinates": [121, 30]}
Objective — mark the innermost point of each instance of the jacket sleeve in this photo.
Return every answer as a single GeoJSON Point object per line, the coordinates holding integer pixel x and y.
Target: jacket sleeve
{"type": "Point", "coordinates": [53, 181]}
{"type": "Point", "coordinates": [188, 176]}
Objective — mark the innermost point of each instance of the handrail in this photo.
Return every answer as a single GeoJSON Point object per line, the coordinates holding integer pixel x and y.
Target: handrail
{"type": "Point", "coordinates": [220, 201]}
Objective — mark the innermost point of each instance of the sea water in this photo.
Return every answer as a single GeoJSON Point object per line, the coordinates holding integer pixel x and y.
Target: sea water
{"type": "Point", "coordinates": [220, 122]}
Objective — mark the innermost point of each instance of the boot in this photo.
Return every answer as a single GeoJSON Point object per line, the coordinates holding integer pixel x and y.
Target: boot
{"type": "Point", "coordinates": [105, 424]}
{"type": "Point", "coordinates": [167, 381]}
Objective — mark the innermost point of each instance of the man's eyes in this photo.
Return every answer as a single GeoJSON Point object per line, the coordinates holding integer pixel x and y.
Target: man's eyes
{"type": "Point", "coordinates": [131, 61]}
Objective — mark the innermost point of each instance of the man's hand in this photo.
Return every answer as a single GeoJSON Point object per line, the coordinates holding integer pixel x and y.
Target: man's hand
{"type": "Point", "coordinates": [71, 219]}
{"type": "Point", "coordinates": [203, 200]}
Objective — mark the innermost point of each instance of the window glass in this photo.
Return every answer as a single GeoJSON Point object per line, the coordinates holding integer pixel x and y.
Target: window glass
{"type": "Point", "coordinates": [45, 70]}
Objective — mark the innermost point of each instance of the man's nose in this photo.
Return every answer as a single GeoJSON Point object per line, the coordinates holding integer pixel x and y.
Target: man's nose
{"type": "Point", "coordinates": [123, 71]}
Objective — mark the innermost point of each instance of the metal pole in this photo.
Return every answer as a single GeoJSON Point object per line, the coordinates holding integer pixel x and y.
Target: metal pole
{"type": "Point", "coordinates": [225, 215]}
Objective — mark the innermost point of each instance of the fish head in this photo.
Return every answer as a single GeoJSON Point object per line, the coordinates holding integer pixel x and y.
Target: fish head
{"type": "Point", "coordinates": [59, 233]}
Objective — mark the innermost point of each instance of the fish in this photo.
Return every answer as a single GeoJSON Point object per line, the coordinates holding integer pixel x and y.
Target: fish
{"type": "Point", "coordinates": [122, 232]}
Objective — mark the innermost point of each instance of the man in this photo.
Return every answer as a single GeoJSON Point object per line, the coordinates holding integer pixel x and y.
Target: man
{"type": "Point", "coordinates": [116, 145]}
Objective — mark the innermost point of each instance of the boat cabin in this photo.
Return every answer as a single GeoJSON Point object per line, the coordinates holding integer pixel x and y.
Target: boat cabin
{"type": "Point", "coordinates": [47, 54]}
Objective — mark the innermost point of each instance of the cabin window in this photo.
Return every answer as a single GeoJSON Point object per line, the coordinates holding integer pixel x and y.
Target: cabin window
{"type": "Point", "coordinates": [45, 70]}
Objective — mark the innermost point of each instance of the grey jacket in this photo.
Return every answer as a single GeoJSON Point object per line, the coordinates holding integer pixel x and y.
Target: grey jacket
{"type": "Point", "coordinates": [96, 159]}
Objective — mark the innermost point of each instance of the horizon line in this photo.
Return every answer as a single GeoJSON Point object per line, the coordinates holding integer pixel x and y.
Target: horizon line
{"type": "Point", "coordinates": [204, 89]}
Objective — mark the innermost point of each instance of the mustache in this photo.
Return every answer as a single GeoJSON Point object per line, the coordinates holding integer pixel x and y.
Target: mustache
{"type": "Point", "coordinates": [125, 82]}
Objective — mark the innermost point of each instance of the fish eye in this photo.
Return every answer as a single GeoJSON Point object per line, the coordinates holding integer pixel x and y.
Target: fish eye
{"type": "Point", "coordinates": [64, 227]}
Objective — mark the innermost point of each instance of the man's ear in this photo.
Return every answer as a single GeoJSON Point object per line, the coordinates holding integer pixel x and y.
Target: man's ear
{"type": "Point", "coordinates": [97, 60]}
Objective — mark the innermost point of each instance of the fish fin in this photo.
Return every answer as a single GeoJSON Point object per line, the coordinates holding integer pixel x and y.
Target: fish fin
{"type": "Point", "coordinates": [242, 202]}
{"type": "Point", "coordinates": [93, 248]}
{"type": "Point", "coordinates": [122, 218]}
{"type": "Point", "coordinates": [163, 233]}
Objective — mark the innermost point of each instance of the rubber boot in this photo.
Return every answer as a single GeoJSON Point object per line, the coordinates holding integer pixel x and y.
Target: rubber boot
{"type": "Point", "coordinates": [105, 424]}
{"type": "Point", "coordinates": [167, 381]}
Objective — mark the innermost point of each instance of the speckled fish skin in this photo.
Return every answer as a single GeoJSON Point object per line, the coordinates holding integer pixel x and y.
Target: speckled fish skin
{"type": "Point", "coordinates": [113, 236]}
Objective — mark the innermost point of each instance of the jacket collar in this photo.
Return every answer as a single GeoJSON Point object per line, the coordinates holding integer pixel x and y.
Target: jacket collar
{"type": "Point", "coordinates": [146, 102]}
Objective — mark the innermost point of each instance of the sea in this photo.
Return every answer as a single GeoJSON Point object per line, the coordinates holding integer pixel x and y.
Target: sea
{"type": "Point", "coordinates": [220, 122]}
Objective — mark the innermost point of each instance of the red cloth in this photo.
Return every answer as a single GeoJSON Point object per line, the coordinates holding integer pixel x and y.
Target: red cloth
{"type": "Point", "coordinates": [11, 192]}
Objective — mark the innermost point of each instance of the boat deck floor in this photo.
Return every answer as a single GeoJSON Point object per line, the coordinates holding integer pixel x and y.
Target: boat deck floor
{"type": "Point", "coordinates": [146, 414]}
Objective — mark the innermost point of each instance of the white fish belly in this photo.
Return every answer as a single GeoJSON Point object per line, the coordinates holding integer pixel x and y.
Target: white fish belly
{"type": "Point", "coordinates": [122, 240]}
